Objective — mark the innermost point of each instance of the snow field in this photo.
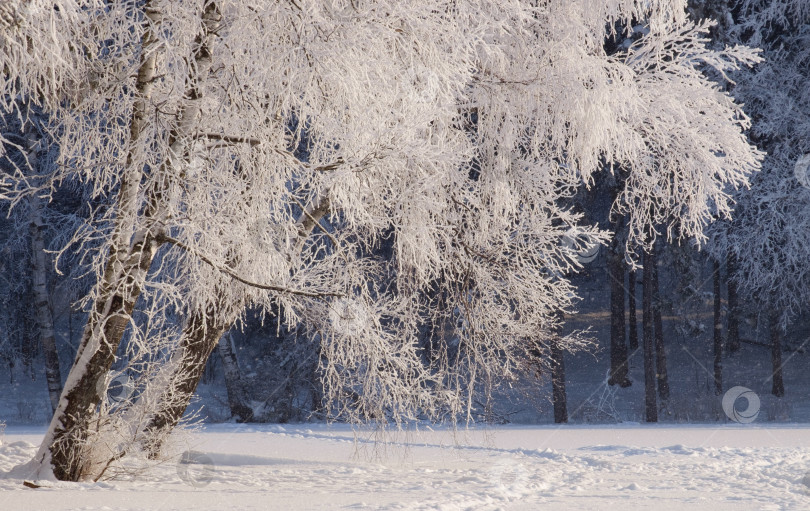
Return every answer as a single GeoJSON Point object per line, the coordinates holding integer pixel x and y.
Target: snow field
{"type": "Point", "coordinates": [329, 467]}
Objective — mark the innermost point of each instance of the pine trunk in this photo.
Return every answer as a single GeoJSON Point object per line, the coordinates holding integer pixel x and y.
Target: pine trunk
{"type": "Point", "coordinates": [650, 401]}
{"type": "Point", "coordinates": [618, 348]}
{"type": "Point", "coordinates": [558, 394]}
{"type": "Point", "coordinates": [661, 373]}
{"type": "Point", "coordinates": [633, 323]}
{"type": "Point", "coordinates": [778, 387]}
{"type": "Point", "coordinates": [733, 341]}
{"type": "Point", "coordinates": [718, 333]}
{"type": "Point", "coordinates": [237, 397]}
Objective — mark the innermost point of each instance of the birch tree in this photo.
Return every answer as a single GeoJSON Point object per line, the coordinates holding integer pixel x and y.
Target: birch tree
{"type": "Point", "coordinates": [253, 155]}
{"type": "Point", "coordinates": [27, 154]}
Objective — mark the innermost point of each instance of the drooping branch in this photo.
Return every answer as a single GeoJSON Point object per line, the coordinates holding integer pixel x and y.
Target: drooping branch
{"type": "Point", "coordinates": [253, 142]}
{"type": "Point", "coordinates": [230, 139]}
{"type": "Point", "coordinates": [201, 333]}
{"type": "Point", "coordinates": [229, 272]}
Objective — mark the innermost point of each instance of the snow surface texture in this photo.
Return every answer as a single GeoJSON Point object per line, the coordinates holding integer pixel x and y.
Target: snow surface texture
{"type": "Point", "coordinates": [624, 467]}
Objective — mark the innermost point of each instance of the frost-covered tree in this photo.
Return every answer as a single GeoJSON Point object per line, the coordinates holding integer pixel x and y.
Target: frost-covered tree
{"type": "Point", "coordinates": [766, 242]}
{"type": "Point", "coordinates": [255, 154]}
{"type": "Point", "coordinates": [34, 227]}
{"type": "Point", "coordinates": [768, 237]}
{"type": "Point", "coordinates": [31, 152]}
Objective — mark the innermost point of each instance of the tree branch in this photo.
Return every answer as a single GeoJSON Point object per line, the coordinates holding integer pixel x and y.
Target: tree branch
{"type": "Point", "coordinates": [230, 139]}
{"type": "Point", "coordinates": [319, 211]}
{"type": "Point", "coordinates": [229, 272]}
{"type": "Point", "coordinates": [253, 142]}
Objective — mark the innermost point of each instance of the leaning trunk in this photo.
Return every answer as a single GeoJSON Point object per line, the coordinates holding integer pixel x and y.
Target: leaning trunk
{"type": "Point", "coordinates": [133, 247]}
{"type": "Point", "coordinates": [199, 341]}
{"type": "Point", "coordinates": [650, 401]}
{"type": "Point", "coordinates": [201, 333]}
{"type": "Point", "coordinates": [119, 288]}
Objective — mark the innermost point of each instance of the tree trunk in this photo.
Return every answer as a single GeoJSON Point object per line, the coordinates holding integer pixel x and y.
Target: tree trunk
{"type": "Point", "coordinates": [47, 338]}
{"type": "Point", "coordinates": [120, 288]}
{"type": "Point", "coordinates": [650, 402]}
{"type": "Point", "coordinates": [558, 393]}
{"type": "Point", "coordinates": [199, 340]}
{"type": "Point", "coordinates": [718, 332]}
{"type": "Point", "coordinates": [233, 380]}
{"type": "Point", "coordinates": [201, 334]}
{"type": "Point", "coordinates": [733, 341]}
{"type": "Point", "coordinates": [633, 323]}
{"type": "Point", "coordinates": [618, 348]}
{"type": "Point", "coordinates": [661, 372]}
{"type": "Point", "coordinates": [131, 253]}
{"type": "Point", "coordinates": [778, 387]}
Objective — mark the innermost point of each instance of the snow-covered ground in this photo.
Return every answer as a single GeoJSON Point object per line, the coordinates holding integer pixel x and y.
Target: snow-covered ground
{"type": "Point", "coordinates": [623, 467]}
{"type": "Point", "coordinates": [697, 458]}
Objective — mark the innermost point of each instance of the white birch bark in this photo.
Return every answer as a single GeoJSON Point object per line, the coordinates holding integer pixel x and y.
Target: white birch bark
{"type": "Point", "coordinates": [47, 337]}
{"type": "Point", "coordinates": [63, 450]}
